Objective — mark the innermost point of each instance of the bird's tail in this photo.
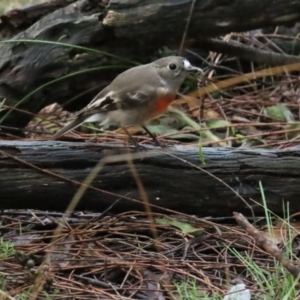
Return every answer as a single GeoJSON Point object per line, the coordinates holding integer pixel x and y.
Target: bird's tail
{"type": "Point", "coordinates": [72, 125]}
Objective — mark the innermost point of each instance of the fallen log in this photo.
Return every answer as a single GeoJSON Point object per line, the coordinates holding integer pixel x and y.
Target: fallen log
{"type": "Point", "coordinates": [45, 175]}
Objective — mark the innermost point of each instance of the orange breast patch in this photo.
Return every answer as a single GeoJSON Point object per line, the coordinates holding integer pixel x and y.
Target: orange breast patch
{"type": "Point", "coordinates": [163, 102]}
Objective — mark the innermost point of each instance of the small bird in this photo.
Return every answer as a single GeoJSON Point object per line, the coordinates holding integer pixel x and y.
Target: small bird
{"type": "Point", "coordinates": [136, 95]}
{"type": "Point", "coordinates": [238, 291]}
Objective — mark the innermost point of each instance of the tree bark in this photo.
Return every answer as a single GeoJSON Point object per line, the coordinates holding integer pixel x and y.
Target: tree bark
{"type": "Point", "coordinates": [131, 29]}
{"type": "Point", "coordinates": [174, 179]}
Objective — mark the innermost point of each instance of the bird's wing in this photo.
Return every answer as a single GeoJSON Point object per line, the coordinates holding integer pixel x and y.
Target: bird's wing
{"type": "Point", "coordinates": [108, 101]}
{"type": "Point", "coordinates": [123, 100]}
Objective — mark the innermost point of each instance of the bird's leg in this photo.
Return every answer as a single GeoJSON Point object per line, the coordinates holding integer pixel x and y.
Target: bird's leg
{"type": "Point", "coordinates": [152, 136]}
{"type": "Point", "coordinates": [136, 144]}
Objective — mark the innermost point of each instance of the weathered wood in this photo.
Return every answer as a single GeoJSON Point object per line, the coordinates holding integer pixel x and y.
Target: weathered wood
{"type": "Point", "coordinates": [131, 29]}
{"type": "Point", "coordinates": [20, 19]}
{"type": "Point", "coordinates": [169, 181]}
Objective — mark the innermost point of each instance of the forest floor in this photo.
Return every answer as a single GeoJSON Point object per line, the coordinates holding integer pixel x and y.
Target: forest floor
{"type": "Point", "coordinates": [137, 256]}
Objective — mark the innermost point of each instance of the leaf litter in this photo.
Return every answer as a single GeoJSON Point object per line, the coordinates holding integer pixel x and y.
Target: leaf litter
{"type": "Point", "coordinates": [115, 256]}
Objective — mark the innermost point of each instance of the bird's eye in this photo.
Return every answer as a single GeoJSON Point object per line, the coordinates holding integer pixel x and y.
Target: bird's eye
{"type": "Point", "coordinates": [172, 67]}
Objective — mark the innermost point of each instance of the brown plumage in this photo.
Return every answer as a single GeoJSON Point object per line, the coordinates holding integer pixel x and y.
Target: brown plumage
{"type": "Point", "coordinates": [136, 95]}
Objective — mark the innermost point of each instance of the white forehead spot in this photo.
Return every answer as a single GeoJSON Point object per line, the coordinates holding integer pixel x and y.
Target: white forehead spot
{"type": "Point", "coordinates": [186, 63]}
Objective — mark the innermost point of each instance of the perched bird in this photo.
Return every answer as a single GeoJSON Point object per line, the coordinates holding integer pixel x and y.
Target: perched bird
{"type": "Point", "coordinates": [238, 291]}
{"type": "Point", "coordinates": [136, 95]}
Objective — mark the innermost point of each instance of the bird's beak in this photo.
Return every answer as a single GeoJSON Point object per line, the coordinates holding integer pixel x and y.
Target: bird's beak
{"type": "Point", "coordinates": [189, 68]}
